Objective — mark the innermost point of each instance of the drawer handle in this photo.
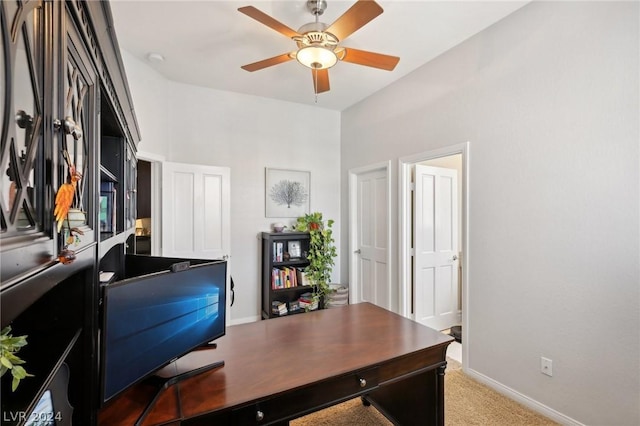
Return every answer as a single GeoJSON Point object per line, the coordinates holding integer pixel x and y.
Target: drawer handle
{"type": "Point", "coordinates": [259, 415]}
{"type": "Point", "coordinates": [363, 383]}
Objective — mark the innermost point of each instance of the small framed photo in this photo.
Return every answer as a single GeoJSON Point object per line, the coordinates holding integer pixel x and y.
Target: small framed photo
{"type": "Point", "coordinates": [294, 249]}
{"type": "Point", "coordinates": [286, 193]}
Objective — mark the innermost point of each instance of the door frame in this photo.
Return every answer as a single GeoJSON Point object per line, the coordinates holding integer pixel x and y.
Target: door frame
{"type": "Point", "coordinates": [405, 253]}
{"type": "Point", "coordinates": [353, 229]}
{"type": "Point", "coordinates": [156, 199]}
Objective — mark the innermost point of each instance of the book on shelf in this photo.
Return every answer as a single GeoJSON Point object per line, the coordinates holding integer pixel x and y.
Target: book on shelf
{"type": "Point", "coordinates": [284, 277]}
{"type": "Point", "coordinates": [279, 308]}
{"type": "Point", "coordinates": [301, 277]}
{"type": "Point", "coordinates": [294, 306]}
{"type": "Point", "coordinates": [278, 252]}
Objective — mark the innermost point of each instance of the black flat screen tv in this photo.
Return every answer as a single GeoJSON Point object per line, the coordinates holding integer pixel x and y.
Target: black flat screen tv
{"type": "Point", "coordinates": [149, 321]}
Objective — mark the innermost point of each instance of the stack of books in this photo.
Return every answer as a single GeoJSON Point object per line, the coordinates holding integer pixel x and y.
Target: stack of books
{"type": "Point", "coordinates": [307, 302]}
{"type": "Point", "coordinates": [294, 306]}
{"type": "Point", "coordinates": [278, 308]}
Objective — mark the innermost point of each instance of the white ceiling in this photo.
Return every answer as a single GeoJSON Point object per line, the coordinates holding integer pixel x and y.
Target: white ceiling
{"type": "Point", "coordinates": [204, 43]}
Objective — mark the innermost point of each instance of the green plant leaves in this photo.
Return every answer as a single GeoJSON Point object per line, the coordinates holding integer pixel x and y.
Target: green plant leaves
{"type": "Point", "coordinates": [322, 250]}
{"type": "Point", "coordinates": [9, 345]}
{"type": "Point", "coordinates": [5, 362]}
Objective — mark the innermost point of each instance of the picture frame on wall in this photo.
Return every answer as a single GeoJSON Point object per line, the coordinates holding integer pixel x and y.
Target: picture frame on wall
{"type": "Point", "coordinates": [287, 192]}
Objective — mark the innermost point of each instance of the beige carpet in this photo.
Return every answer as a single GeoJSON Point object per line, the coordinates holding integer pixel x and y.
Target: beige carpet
{"type": "Point", "coordinates": [467, 403]}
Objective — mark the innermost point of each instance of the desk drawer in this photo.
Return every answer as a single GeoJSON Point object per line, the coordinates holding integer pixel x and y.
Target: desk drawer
{"type": "Point", "coordinates": [307, 399]}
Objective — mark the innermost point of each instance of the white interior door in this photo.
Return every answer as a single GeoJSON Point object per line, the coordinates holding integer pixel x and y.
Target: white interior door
{"type": "Point", "coordinates": [436, 248]}
{"type": "Point", "coordinates": [372, 245]}
{"type": "Point", "coordinates": [196, 219]}
{"type": "Point", "coordinates": [195, 211]}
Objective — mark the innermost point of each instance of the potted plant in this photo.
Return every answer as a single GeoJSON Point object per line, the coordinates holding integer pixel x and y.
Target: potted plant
{"type": "Point", "coordinates": [9, 345]}
{"type": "Point", "coordinates": [321, 254]}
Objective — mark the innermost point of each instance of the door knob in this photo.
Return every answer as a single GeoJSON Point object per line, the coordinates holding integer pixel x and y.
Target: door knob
{"type": "Point", "coordinates": [23, 119]}
{"type": "Point", "coordinates": [357, 251]}
{"type": "Point", "coordinates": [70, 127]}
{"type": "Point", "coordinates": [454, 258]}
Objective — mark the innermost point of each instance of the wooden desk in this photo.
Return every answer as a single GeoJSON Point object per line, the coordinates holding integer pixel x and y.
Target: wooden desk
{"type": "Point", "coordinates": [280, 369]}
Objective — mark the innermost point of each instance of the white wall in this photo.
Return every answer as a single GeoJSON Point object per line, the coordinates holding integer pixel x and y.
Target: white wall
{"type": "Point", "coordinates": [548, 99]}
{"type": "Point", "coordinates": [189, 124]}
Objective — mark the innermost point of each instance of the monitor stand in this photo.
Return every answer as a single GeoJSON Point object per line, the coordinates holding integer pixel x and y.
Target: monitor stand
{"type": "Point", "coordinates": [178, 370]}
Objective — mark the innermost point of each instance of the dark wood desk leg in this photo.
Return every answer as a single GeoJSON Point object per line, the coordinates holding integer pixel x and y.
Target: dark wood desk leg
{"type": "Point", "coordinates": [440, 394]}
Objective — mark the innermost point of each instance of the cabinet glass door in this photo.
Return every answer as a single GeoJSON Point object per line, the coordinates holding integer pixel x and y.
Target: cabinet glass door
{"type": "Point", "coordinates": [76, 138]}
{"type": "Point", "coordinates": [74, 150]}
{"type": "Point", "coordinates": [131, 195]}
{"type": "Point", "coordinates": [21, 111]}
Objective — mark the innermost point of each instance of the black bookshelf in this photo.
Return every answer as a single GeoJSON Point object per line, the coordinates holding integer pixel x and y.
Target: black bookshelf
{"type": "Point", "coordinates": [283, 252]}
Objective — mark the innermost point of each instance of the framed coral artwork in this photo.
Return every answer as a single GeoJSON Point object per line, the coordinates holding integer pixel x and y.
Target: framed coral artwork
{"type": "Point", "coordinates": [286, 193]}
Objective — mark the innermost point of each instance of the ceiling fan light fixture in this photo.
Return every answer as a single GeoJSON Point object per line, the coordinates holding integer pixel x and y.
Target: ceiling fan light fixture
{"type": "Point", "coordinates": [316, 57]}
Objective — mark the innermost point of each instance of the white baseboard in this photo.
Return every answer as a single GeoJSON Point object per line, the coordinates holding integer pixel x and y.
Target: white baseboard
{"type": "Point", "coordinates": [244, 320]}
{"type": "Point", "coordinates": [522, 399]}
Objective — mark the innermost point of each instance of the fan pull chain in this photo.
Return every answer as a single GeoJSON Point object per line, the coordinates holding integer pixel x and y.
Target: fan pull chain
{"type": "Point", "coordinates": [315, 83]}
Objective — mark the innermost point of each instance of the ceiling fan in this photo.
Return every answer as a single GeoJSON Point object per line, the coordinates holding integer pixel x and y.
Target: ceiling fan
{"type": "Point", "coordinates": [318, 43]}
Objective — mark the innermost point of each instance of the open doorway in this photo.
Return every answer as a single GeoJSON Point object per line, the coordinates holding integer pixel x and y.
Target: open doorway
{"type": "Point", "coordinates": [426, 271]}
{"type": "Point", "coordinates": [143, 212]}
{"type": "Point", "coordinates": [148, 199]}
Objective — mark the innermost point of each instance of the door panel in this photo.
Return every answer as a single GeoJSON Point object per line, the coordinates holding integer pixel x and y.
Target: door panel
{"type": "Point", "coordinates": [179, 223]}
{"type": "Point", "coordinates": [372, 241]}
{"type": "Point", "coordinates": [436, 247]}
{"type": "Point", "coordinates": [195, 211]}
{"type": "Point", "coordinates": [213, 212]}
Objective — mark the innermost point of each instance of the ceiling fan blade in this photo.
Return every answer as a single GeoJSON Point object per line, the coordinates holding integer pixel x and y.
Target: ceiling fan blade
{"type": "Point", "coordinates": [320, 80]}
{"type": "Point", "coordinates": [267, 62]}
{"type": "Point", "coordinates": [355, 18]}
{"type": "Point", "coordinates": [370, 59]}
{"type": "Point", "coordinates": [267, 20]}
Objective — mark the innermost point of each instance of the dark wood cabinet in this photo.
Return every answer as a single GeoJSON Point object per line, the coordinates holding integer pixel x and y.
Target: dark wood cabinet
{"type": "Point", "coordinates": [283, 254]}
{"type": "Point", "coordinates": [62, 93]}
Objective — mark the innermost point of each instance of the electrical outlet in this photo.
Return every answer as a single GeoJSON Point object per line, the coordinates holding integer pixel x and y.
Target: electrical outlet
{"type": "Point", "coordinates": [546, 366]}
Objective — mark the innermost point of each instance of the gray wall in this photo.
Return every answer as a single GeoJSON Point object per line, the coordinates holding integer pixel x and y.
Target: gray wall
{"type": "Point", "coordinates": [548, 98]}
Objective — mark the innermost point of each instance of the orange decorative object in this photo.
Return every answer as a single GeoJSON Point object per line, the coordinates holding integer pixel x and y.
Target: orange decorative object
{"type": "Point", "coordinates": [64, 197]}
{"type": "Point", "coordinates": [66, 256]}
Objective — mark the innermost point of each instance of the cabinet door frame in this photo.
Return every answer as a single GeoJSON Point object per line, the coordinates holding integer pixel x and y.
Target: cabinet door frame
{"type": "Point", "coordinates": [25, 248]}
{"type": "Point", "coordinates": [73, 48]}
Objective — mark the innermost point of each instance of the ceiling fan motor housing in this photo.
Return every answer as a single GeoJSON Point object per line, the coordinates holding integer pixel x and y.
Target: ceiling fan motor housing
{"type": "Point", "coordinates": [316, 48]}
{"type": "Point", "coordinates": [316, 7]}
{"type": "Point", "coordinates": [317, 27]}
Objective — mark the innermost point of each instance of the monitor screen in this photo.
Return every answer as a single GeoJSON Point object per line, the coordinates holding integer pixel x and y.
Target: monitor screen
{"type": "Point", "coordinates": [53, 407]}
{"type": "Point", "coordinates": [43, 414]}
{"type": "Point", "coordinates": [149, 321]}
